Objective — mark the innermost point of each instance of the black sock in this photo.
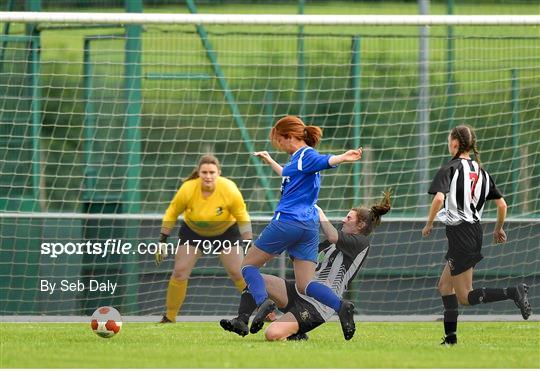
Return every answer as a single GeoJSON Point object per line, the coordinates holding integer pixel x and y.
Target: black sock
{"type": "Point", "coordinates": [511, 292]}
{"type": "Point", "coordinates": [487, 295]}
{"type": "Point", "coordinates": [451, 313]}
{"type": "Point", "coordinates": [247, 306]}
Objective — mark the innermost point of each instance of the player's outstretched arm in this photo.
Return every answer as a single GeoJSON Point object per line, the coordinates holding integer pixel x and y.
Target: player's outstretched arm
{"type": "Point", "coordinates": [436, 205]}
{"type": "Point", "coordinates": [265, 156]}
{"type": "Point", "coordinates": [329, 230]}
{"type": "Point", "coordinates": [351, 155]}
{"type": "Point", "coordinates": [499, 236]}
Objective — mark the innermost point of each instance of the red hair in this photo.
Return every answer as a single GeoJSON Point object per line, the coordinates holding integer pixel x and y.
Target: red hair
{"type": "Point", "coordinates": [292, 126]}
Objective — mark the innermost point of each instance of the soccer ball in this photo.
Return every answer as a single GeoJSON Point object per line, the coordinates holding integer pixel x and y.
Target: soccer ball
{"type": "Point", "coordinates": [106, 322]}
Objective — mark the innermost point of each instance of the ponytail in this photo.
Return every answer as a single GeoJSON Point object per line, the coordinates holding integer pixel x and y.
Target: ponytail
{"type": "Point", "coordinates": [312, 135]}
{"type": "Point", "coordinates": [477, 155]}
{"type": "Point", "coordinates": [293, 126]}
{"type": "Point", "coordinates": [466, 138]}
{"type": "Point", "coordinates": [380, 209]}
{"type": "Point", "coordinates": [371, 217]}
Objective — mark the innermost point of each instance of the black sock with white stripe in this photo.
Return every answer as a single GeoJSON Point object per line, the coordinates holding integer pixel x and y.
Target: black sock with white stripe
{"type": "Point", "coordinates": [487, 295]}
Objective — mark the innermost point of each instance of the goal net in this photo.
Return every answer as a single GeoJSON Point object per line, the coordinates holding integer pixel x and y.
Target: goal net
{"type": "Point", "coordinates": [99, 125]}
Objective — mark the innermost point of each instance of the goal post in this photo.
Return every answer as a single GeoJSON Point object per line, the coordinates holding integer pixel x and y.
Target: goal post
{"type": "Point", "coordinates": [99, 127]}
{"type": "Point", "coordinates": [271, 19]}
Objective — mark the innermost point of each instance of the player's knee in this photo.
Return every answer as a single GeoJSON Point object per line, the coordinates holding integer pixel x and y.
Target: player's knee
{"type": "Point", "coordinates": [273, 333]}
{"type": "Point", "coordinates": [181, 274]}
{"type": "Point", "coordinates": [246, 263]}
{"type": "Point", "coordinates": [445, 288]}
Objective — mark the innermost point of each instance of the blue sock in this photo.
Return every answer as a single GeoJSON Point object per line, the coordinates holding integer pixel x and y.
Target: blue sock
{"type": "Point", "coordinates": [255, 283]}
{"type": "Point", "coordinates": [323, 294]}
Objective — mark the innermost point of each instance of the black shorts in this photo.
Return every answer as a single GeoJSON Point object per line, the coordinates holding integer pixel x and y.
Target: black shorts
{"type": "Point", "coordinates": [464, 246]}
{"type": "Point", "coordinates": [305, 313]}
{"type": "Point", "coordinates": [231, 235]}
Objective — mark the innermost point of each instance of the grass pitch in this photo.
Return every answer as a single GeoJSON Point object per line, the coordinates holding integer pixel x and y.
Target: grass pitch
{"type": "Point", "coordinates": [206, 345]}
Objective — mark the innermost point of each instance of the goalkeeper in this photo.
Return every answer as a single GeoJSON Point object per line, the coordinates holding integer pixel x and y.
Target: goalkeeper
{"type": "Point", "coordinates": [215, 216]}
{"type": "Point", "coordinates": [340, 258]}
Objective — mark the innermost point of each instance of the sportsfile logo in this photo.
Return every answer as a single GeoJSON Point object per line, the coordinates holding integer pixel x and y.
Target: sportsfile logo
{"type": "Point", "coordinates": [108, 247]}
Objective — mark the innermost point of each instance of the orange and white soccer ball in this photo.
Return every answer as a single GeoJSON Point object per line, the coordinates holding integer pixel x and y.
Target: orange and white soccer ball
{"type": "Point", "coordinates": [106, 322]}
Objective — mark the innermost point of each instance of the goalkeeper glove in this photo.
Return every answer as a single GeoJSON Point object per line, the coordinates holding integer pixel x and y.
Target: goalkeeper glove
{"type": "Point", "coordinates": [161, 252]}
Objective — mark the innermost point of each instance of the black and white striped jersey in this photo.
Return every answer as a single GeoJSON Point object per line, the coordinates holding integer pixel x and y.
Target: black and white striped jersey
{"type": "Point", "coordinates": [337, 266]}
{"type": "Point", "coordinates": [466, 189]}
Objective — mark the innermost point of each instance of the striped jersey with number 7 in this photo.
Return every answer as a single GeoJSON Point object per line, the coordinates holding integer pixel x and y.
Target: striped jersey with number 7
{"type": "Point", "coordinates": [466, 187]}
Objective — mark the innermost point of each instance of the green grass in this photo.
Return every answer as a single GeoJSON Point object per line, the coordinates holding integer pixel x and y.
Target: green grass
{"type": "Point", "coordinates": [205, 345]}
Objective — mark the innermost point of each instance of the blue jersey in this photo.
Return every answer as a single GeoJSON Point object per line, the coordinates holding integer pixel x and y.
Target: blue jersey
{"type": "Point", "coordinates": [300, 186]}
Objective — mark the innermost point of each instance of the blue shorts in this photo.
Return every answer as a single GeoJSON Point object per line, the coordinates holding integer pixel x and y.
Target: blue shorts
{"type": "Point", "coordinates": [300, 243]}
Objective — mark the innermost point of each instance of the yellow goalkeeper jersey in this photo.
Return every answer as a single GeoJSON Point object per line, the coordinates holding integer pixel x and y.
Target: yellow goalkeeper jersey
{"type": "Point", "coordinates": [209, 216]}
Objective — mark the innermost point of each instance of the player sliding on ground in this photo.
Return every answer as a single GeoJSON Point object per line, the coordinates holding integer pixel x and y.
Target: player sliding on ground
{"type": "Point", "coordinates": [295, 225]}
{"type": "Point", "coordinates": [462, 186]}
{"type": "Point", "coordinates": [341, 257]}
